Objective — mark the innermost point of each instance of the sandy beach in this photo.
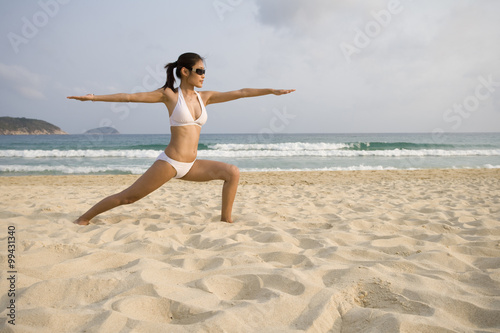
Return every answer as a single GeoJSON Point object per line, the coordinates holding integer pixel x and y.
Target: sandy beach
{"type": "Point", "coordinates": [353, 251]}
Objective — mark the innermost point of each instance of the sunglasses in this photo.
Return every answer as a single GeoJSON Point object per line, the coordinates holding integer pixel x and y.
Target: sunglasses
{"type": "Point", "coordinates": [198, 71]}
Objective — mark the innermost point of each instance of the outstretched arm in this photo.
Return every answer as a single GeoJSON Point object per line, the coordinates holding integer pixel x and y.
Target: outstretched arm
{"type": "Point", "coordinates": [156, 96]}
{"type": "Point", "coordinates": [220, 97]}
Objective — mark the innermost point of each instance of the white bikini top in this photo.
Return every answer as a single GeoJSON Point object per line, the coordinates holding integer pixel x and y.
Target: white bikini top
{"type": "Point", "coordinates": [181, 116]}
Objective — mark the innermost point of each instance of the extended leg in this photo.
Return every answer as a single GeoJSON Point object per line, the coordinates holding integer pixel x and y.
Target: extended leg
{"type": "Point", "coordinates": [157, 175]}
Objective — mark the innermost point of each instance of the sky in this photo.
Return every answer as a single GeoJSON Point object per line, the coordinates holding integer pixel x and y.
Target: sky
{"type": "Point", "coordinates": [357, 66]}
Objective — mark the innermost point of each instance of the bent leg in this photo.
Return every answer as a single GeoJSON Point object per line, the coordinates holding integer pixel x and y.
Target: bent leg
{"type": "Point", "coordinates": [157, 175]}
{"type": "Point", "coordinates": [205, 170]}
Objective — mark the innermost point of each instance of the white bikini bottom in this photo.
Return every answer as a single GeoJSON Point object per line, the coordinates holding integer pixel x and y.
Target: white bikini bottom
{"type": "Point", "coordinates": [182, 168]}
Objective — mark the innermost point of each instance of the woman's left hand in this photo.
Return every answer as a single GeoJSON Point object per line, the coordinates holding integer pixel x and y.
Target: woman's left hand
{"type": "Point", "coordinates": [282, 91]}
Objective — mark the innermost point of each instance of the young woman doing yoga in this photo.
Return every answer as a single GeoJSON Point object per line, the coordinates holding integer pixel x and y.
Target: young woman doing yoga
{"type": "Point", "coordinates": [187, 113]}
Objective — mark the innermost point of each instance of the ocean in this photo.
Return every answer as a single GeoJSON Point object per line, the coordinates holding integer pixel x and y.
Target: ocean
{"type": "Point", "coordinates": [133, 154]}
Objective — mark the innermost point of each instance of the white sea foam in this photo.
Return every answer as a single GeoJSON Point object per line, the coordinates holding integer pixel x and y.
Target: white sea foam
{"type": "Point", "coordinates": [61, 169]}
{"type": "Point", "coordinates": [489, 166]}
{"type": "Point", "coordinates": [79, 153]}
{"type": "Point", "coordinates": [350, 168]}
{"type": "Point", "coordinates": [348, 153]}
{"type": "Point", "coordinates": [70, 169]}
{"type": "Point", "coordinates": [249, 153]}
{"type": "Point", "coordinates": [286, 146]}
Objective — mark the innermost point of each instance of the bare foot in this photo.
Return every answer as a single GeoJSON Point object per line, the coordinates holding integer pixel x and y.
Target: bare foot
{"type": "Point", "coordinates": [81, 222]}
{"type": "Point", "coordinates": [226, 220]}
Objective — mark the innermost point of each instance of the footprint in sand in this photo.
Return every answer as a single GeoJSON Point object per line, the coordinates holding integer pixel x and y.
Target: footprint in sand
{"type": "Point", "coordinates": [285, 259]}
{"type": "Point", "coordinates": [160, 310]}
{"type": "Point", "coordinates": [378, 295]}
{"type": "Point", "coordinates": [249, 287]}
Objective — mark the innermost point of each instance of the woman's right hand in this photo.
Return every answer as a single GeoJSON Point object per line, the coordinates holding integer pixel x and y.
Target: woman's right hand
{"type": "Point", "coordinates": [88, 97]}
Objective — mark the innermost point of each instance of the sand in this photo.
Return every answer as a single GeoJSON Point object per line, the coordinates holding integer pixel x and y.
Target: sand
{"type": "Point", "coordinates": [357, 251]}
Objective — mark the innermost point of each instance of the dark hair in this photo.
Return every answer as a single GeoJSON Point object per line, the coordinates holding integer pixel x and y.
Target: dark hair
{"type": "Point", "coordinates": [187, 60]}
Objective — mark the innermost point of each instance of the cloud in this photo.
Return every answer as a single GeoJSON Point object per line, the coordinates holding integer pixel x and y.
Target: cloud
{"type": "Point", "coordinates": [303, 17]}
{"type": "Point", "coordinates": [293, 16]}
{"type": "Point", "coordinates": [424, 57]}
{"type": "Point", "coordinates": [21, 80]}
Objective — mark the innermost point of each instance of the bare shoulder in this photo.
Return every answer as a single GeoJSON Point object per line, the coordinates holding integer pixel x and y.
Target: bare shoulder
{"type": "Point", "coordinates": [206, 95]}
{"type": "Point", "coordinates": [169, 98]}
{"type": "Point", "coordinates": [168, 94]}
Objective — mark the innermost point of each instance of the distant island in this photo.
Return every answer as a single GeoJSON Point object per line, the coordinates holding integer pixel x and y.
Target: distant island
{"type": "Point", "coordinates": [102, 130]}
{"type": "Point", "coordinates": [25, 126]}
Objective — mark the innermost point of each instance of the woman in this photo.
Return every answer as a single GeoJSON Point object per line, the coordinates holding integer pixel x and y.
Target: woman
{"type": "Point", "coordinates": [187, 114]}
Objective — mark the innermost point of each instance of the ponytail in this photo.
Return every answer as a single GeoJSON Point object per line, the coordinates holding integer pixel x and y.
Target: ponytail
{"type": "Point", "coordinates": [187, 60]}
{"type": "Point", "coordinates": [170, 75]}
